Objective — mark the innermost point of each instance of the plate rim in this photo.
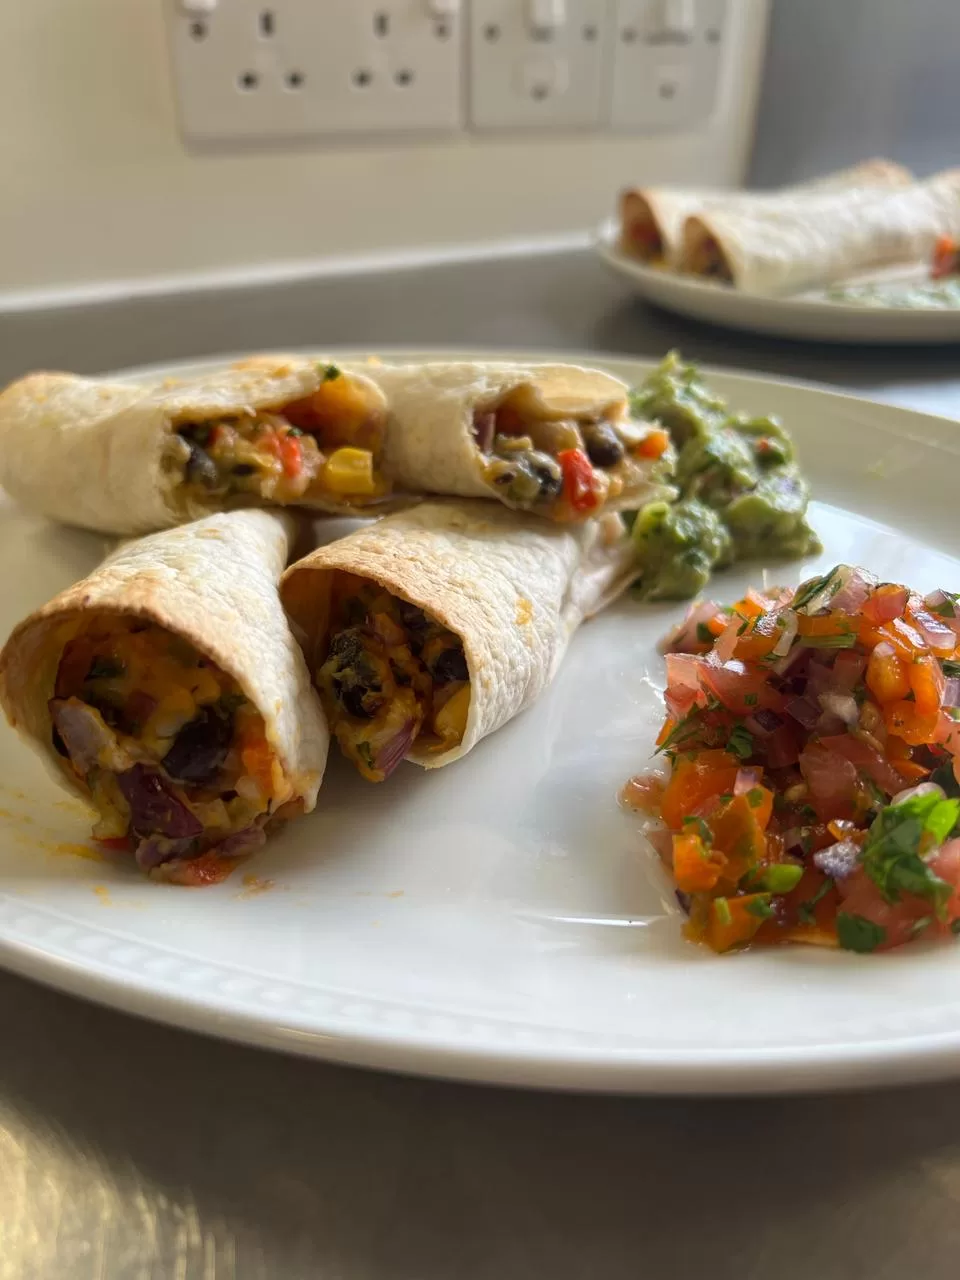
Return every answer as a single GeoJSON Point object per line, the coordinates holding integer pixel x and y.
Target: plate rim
{"type": "Point", "coordinates": [920, 1056]}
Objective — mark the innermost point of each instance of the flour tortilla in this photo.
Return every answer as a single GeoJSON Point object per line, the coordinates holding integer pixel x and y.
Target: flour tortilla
{"type": "Point", "coordinates": [213, 583]}
{"type": "Point", "coordinates": [813, 241]}
{"type": "Point", "coordinates": [99, 454]}
{"type": "Point", "coordinates": [668, 208]}
{"type": "Point", "coordinates": [430, 444]}
{"type": "Point", "coordinates": [513, 589]}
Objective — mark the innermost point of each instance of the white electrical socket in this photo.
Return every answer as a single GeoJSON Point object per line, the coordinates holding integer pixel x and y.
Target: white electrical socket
{"type": "Point", "coordinates": [537, 65]}
{"type": "Point", "coordinates": [253, 70]}
{"type": "Point", "coordinates": [666, 64]}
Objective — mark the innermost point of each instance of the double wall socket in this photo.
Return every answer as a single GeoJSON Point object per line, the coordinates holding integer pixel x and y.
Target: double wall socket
{"type": "Point", "coordinates": [258, 70]}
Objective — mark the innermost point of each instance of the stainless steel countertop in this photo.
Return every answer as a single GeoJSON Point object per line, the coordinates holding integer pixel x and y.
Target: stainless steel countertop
{"type": "Point", "coordinates": [130, 1151]}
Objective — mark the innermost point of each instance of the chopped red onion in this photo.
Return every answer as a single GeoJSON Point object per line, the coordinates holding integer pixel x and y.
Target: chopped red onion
{"type": "Point", "coordinates": [939, 633]}
{"type": "Point", "coordinates": [764, 722]}
{"type": "Point", "coordinates": [840, 860]}
{"type": "Point", "coordinates": [842, 705]}
{"type": "Point", "coordinates": [790, 624]}
{"type": "Point", "coordinates": [683, 637]}
{"type": "Point", "coordinates": [484, 429]}
{"type": "Point", "coordinates": [854, 591]}
{"type": "Point", "coordinates": [793, 839]}
{"type": "Point", "coordinates": [746, 780]}
{"type": "Point", "coordinates": [951, 693]}
{"type": "Point", "coordinates": [803, 711]}
{"type": "Point", "coordinates": [684, 900]}
{"type": "Point", "coordinates": [726, 642]}
{"type": "Point", "coordinates": [944, 607]}
{"type": "Point", "coordinates": [921, 789]}
{"type": "Point", "coordinates": [784, 665]}
{"type": "Point", "coordinates": [391, 753]}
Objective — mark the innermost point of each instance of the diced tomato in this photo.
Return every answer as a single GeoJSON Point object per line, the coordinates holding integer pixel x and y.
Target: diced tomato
{"type": "Point", "coordinates": [866, 759]}
{"type": "Point", "coordinates": [731, 922]}
{"type": "Point", "coordinates": [738, 834]}
{"type": "Point", "coordinates": [752, 605]}
{"type": "Point", "coordinates": [696, 866]}
{"type": "Point", "coordinates": [739, 687]}
{"type": "Point", "coordinates": [905, 720]}
{"type": "Point", "coordinates": [827, 625]}
{"type": "Point", "coordinates": [906, 640]}
{"type": "Point", "coordinates": [927, 682]}
{"type": "Point", "coordinates": [759, 640]}
{"type": "Point", "coordinates": [257, 758]}
{"type": "Point", "coordinates": [683, 684]}
{"type": "Point", "coordinates": [782, 748]}
{"type": "Point", "coordinates": [948, 733]}
{"type": "Point", "coordinates": [832, 780]}
{"type": "Point", "coordinates": [887, 677]}
{"type": "Point", "coordinates": [848, 669]}
{"type": "Point", "coordinates": [885, 604]}
{"type": "Point", "coordinates": [946, 258]}
{"type": "Point", "coordinates": [654, 444]}
{"type": "Point", "coordinates": [580, 486]}
{"type": "Point", "coordinates": [696, 779]}
{"type": "Point", "coordinates": [291, 455]}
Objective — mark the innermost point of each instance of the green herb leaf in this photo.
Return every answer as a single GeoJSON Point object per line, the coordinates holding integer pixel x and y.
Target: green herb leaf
{"type": "Point", "coordinates": [846, 640]}
{"type": "Point", "coordinates": [751, 699]}
{"type": "Point", "coordinates": [365, 752]}
{"type": "Point", "coordinates": [704, 634]}
{"type": "Point", "coordinates": [755, 797]}
{"type": "Point", "coordinates": [858, 934]}
{"type": "Point", "coordinates": [813, 587]}
{"type": "Point", "coordinates": [760, 906]}
{"type": "Point", "coordinates": [702, 830]}
{"type": "Point", "coordinates": [899, 836]}
{"type": "Point", "coordinates": [805, 910]}
{"type": "Point", "coordinates": [231, 702]}
{"type": "Point", "coordinates": [740, 742]}
{"type": "Point", "coordinates": [951, 669]}
{"type": "Point", "coordinates": [328, 372]}
{"type": "Point", "coordinates": [294, 431]}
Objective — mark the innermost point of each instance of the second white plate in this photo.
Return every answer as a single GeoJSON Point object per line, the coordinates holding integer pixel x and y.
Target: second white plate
{"type": "Point", "coordinates": [807, 317]}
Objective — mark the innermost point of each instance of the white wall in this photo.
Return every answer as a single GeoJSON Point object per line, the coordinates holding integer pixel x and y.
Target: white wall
{"type": "Point", "coordinates": [95, 184]}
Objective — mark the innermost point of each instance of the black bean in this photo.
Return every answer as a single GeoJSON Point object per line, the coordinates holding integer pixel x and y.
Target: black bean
{"type": "Point", "coordinates": [201, 468]}
{"type": "Point", "coordinates": [352, 702]}
{"type": "Point", "coordinates": [549, 475]}
{"type": "Point", "coordinates": [413, 619]}
{"type": "Point", "coordinates": [450, 664]}
{"type": "Point", "coordinates": [604, 447]}
{"type": "Point", "coordinates": [154, 808]}
{"type": "Point", "coordinates": [200, 748]}
{"type": "Point", "coordinates": [243, 469]}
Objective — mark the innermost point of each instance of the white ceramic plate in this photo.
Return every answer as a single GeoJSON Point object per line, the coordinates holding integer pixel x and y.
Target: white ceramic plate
{"type": "Point", "coordinates": [501, 920]}
{"type": "Point", "coordinates": [805, 316]}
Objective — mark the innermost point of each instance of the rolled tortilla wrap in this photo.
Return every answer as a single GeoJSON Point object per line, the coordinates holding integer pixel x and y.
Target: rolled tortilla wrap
{"type": "Point", "coordinates": [815, 241]}
{"type": "Point", "coordinates": [433, 627]}
{"type": "Point", "coordinates": [166, 689]}
{"type": "Point", "coordinates": [128, 458]}
{"type": "Point", "coordinates": [652, 218]}
{"type": "Point", "coordinates": [555, 440]}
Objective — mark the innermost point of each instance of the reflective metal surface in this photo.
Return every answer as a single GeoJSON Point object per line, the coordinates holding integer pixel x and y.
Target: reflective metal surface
{"type": "Point", "coordinates": [133, 1152]}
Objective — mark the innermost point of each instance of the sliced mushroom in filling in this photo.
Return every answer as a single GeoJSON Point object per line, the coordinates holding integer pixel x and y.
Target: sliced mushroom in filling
{"type": "Point", "coordinates": [392, 675]}
{"type": "Point", "coordinates": [172, 754]}
{"type": "Point", "coordinates": [567, 467]}
{"type": "Point", "coordinates": [327, 446]}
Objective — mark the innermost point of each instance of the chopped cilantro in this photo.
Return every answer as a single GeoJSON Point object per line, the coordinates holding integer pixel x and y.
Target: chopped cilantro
{"type": "Point", "coordinates": [721, 908]}
{"type": "Point", "coordinates": [704, 634]}
{"type": "Point", "coordinates": [365, 752]}
{"type": "Point", "coordinates": [855, 933]}
{"type": "Point", "coordinates": [328, 372]}
{"type": "Point", "coordinates": [951, 669]}
{"type": "Point", "coordinates": [702, 830]}
{"type": "Point", "coordinates": [740, 742]}
{"type": "Point", "coordinates": [294, 431]}
{"type": "Point", "coordinates": [755, 797]}
{"type": "Point", "coordinates": [844, 640]}
{"type": "Point", "coordinates": [900, 834]}
{"type": "Point", "coordinates": [805, 910]}
{"type": "Point", "coordinates": [948, 608]}
{"type": "Point", "coordinates": [750, 699]}
{"type": "Point", "coordinates": [813, 587]}
{"type": "Point", "coordinates": [760, 906]}
{"type": "Point", "coordinates": [682, 731]}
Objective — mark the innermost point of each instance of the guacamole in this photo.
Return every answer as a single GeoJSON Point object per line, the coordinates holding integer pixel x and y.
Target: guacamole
{"type": "Point", "coordinates": [741, 492]}
{"type": "Point", "coordinates": [937, 295]}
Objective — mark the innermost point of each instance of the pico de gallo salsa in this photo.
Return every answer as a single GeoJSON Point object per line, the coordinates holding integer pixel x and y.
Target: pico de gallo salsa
{"type": "Point", "coordinates": [813, 738]}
